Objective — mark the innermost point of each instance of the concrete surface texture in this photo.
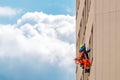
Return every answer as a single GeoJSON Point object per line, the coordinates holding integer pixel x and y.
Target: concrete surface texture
{"type": "Point", "coordinates": [98, 26]}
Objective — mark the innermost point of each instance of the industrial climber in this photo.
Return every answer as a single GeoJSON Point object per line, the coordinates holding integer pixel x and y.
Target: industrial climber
{"type": "Point", "coordinates": [83, 58]}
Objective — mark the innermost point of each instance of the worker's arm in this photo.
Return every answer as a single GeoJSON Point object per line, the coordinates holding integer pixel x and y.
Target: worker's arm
{"type": "Point", "coordinates": [88, 50]}
{"type": "Point", "coordinates": [81, 54]}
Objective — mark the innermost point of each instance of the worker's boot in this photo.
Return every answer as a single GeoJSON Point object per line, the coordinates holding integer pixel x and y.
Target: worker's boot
{"type": "Point", "coordinates": [82, 67]}
{"type": "Point", "coordinates": [87, 70]}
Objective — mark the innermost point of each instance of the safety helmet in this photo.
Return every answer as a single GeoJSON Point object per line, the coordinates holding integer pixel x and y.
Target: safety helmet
{"type": "Point", "coordinates": [82, 47]}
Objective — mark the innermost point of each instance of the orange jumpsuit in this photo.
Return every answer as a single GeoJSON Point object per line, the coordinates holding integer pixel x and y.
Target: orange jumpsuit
{"type": "Point", "coordinates": [83, 59]}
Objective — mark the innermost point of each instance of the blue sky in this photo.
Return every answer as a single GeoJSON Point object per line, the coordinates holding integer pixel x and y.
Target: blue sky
{"type": "Point", "coordinates": [46, 6]}
{"type": "Point", "coordinates": [37, 39]}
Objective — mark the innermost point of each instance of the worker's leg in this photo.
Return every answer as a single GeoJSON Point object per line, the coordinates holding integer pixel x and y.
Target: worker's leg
{"type": "Point", "coordinates": [88, 66]}
{"type": "Point", "coordinates": [85, 63]}
{"type": "Point", "coordinates": [88, 62]}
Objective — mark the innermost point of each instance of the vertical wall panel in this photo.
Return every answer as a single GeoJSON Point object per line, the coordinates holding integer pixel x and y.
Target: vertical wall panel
{"type": "Point", "coordinates": [108, 67]}
{"type": "Point", "coordinates": [99, 51]}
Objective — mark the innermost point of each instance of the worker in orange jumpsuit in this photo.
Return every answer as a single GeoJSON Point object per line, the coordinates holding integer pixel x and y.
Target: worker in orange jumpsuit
{"type": "Point", "coordinates": [83, 58]}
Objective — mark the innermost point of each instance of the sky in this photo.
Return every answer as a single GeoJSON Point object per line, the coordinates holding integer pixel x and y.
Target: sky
{"type": "Point", "coordinates": [54, 7]}
{"type": "Point", "coordinates": [37, 40]}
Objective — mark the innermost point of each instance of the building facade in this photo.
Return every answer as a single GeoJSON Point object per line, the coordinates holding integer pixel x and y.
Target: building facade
{"type": "Point", "coordinates": [98, 26]}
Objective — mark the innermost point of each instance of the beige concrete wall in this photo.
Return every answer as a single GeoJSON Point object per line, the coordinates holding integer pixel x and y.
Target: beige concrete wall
{"type": "Point", "coordinates": [104, 17]}
{"type": "Point", "coordinates": [107, 45]}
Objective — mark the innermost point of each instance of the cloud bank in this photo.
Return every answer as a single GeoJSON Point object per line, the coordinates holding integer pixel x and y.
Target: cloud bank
{"type": "Point", "coordinates": [38, 42]}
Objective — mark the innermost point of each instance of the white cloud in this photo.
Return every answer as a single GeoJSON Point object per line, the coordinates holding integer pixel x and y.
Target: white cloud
{"type": "Point", "coordinates": [62, 26]}
{"type": "Point", "coordinates": [69, 10]}
{"type": "Point", "coordinates": [8, 11]}
{"type": "Point", "coordinates": [52, 37]}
